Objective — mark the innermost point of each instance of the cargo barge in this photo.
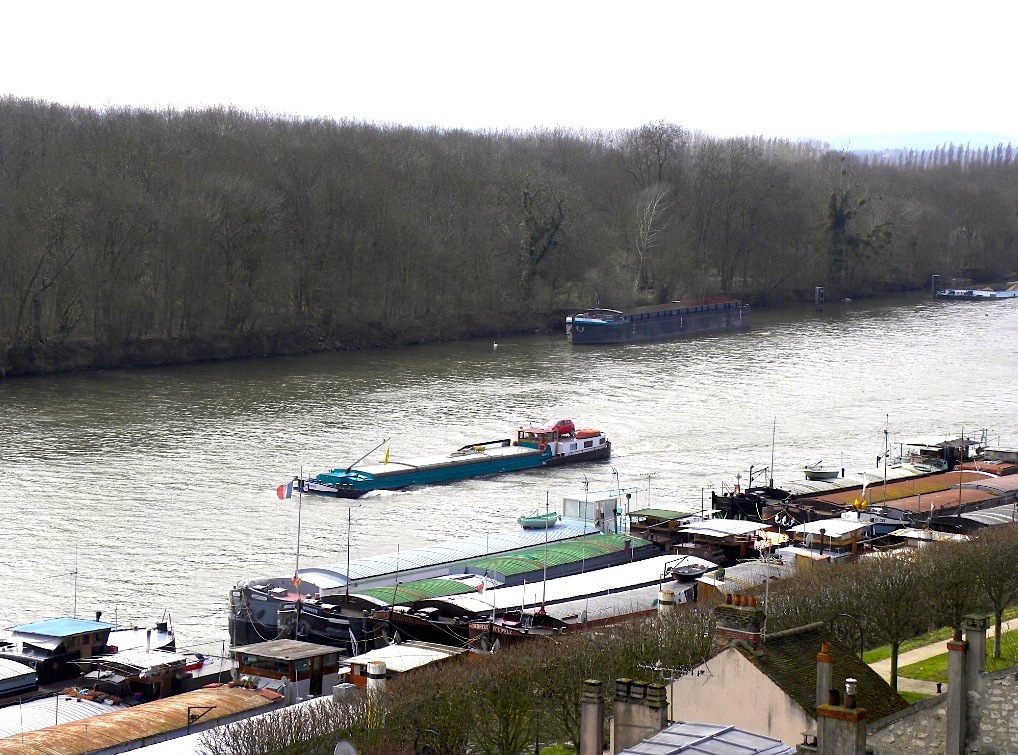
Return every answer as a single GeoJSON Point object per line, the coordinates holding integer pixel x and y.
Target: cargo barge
{"type": "Point", "coordinates": [671, 320]}
{"type": "Point", "coordinates": [557, 442]}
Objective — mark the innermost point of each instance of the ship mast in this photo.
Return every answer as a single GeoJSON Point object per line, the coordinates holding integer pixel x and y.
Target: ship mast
{"type": "Point", "coordinates": [887, 450]}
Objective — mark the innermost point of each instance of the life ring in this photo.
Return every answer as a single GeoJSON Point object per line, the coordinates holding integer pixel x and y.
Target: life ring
{"type": "Point", "coordinates": [541, 447]}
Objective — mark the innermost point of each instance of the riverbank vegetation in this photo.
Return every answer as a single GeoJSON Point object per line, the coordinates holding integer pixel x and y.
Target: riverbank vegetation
{"type": "Point", "coordinates": [529, 695]}
{"type": "Point", "coordinates": [135, 237]}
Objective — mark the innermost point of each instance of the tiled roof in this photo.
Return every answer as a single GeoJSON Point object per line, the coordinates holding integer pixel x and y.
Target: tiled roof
{"type": "Point", "coordinates": [789, 659]}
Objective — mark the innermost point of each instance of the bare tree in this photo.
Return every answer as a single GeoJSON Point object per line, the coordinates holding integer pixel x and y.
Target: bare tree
{"type": "Point", "coordinates": [891, 601]}
{"type": "Point", "coordinates": [994, 567]}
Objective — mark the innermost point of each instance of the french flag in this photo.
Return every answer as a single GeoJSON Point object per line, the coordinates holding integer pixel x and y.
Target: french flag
{"type": "Point", "coordinates": [285, 491]}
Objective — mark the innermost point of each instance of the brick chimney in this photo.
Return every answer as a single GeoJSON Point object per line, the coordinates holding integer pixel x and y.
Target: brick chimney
{"type": "Point", "coordinates": [825, 673]}
{"type": "Point", "coordinates": [739, 619]}
{"type": "Point", "coordinates": [641, 711]}
{"type": "Point", "coordinates": [841, 727]}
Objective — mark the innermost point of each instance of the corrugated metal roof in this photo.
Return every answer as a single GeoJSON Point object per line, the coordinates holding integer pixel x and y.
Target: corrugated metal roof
{"type": "Point", "coordinates": [523, 562]}
{"type": "Point", "coordinates": [997, 515]}
{"type": "Point", "coordinates": [724, 527]}
{"type": "Point", "coordinates": [143, 659]}
{"type": "Point", "coordinates": [640, 600]}
{"type": "Point", "coordinates": [556, 554]}
{"type": "Point", "coordinates": [609, 579]}
{"type": "Point", "coordinates": [831, 527]}
{"type": "Point", "coordinates": [120, 727]}
{"type": "Point", "coordinates": [421, 589]}
{"type": "Point", "coordinates": [903, 489]}
{"type": "Point", "coordinates": [48, 712]}
{"type": "Point", "coordinates": [286, 650]}
{"type": "Point", "coordinates": [330, 578]}
{"type": "Point", "coordinates": [407, 655]}
{"type": "Point", "coordinates": [63, 627]}
{"type": "Point", "coordinates": [13, 669]}
{"type": "Point", "coordinates": [660, 513]}
{"type": "Point", "coordinates": [742, 576]}
{"type": "Point", "coordinates": [686, 738]}
{"type": "Point", "coordinates": [1000, 485]}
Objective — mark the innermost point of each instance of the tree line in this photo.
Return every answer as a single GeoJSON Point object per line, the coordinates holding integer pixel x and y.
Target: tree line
{"type": "Point", "coordinates": [143, 237]}
{"type": "Point", "coordinates": [504, 703]}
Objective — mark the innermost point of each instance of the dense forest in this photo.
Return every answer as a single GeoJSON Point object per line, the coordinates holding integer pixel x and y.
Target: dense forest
{"type": "Point", "coordinates": [132, 237]}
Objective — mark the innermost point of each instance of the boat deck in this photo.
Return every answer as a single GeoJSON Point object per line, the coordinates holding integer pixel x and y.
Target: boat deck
{"type": "Point", "coordinates": [439, 557]}
{"type": "Point", "coordinates": [644, 573]}
{"type": "Point", "coordinates": [455, 458]}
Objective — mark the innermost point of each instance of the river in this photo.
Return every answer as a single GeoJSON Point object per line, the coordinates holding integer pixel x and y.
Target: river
{"type": "Point", "coordinates": [140, 492]}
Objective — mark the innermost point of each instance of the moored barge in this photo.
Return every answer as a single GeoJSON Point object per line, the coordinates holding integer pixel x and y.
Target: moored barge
{"type": "Point", "coordinates": [659, 321]}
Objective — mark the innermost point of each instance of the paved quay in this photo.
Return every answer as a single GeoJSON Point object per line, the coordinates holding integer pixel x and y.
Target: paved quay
{"type": "Point", "coordinates": [921, 654]}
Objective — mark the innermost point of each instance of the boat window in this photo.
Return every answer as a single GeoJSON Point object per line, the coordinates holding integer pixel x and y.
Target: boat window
{"type": "Point", "coordinates": [260, 663]}
{"type": "Point", "coordinates": [588, 444]}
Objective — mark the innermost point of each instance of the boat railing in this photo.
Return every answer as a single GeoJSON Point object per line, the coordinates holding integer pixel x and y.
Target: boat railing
{"type": "Point", "coordinates": [476, 448]}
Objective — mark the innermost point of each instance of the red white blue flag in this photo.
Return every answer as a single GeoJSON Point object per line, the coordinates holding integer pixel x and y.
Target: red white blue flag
{"type": "Point", "coordinates": [285, 491]}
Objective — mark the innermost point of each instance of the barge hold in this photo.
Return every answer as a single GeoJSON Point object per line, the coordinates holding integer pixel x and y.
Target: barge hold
{"type": "Point", "coordinates": [659, 321]}
{"type": "Point", "coordinates": [557, 442]}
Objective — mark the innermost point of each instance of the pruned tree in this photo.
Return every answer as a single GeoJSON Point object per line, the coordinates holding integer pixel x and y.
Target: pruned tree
{"type": "Point", "coordinates": [949, 587]}
{"type": "Point", "coordinates": [892, 601]}
{"type": "Point", "coordinates": [994, 568]}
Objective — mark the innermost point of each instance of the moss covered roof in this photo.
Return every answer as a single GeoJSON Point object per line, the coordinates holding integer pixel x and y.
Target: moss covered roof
{"type": "Point", "coordinates": [789, 658]}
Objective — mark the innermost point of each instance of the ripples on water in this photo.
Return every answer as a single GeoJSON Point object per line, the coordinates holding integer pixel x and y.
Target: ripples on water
{"type": "Point", "coordinates": [157, 486]}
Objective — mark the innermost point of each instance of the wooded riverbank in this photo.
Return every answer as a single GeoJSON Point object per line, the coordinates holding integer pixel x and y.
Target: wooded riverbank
{"type": "Point", "coordinates": [141, 238]}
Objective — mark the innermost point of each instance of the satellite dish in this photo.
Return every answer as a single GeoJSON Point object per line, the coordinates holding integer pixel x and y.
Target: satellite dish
{"type": "Point", "coordinates": [345, 747]}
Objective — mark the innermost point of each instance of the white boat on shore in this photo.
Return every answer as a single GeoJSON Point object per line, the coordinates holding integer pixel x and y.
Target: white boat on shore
{"type": "Point", "coordinates": [978, 294]}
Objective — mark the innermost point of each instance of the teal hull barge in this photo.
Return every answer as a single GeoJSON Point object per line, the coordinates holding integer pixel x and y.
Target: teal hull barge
{"type": "Point", "coordinates": [558, 442]}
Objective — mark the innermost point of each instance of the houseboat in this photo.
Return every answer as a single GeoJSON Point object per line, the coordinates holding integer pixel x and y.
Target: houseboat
{"type": "Point", "coordinates": [557, 442]}
{"type": "Point", "coordinates": [345, 591]}
{"type": "Point", "coordinates": [54, 647]}
{"type": "Point", "coordinates": [67, 647]}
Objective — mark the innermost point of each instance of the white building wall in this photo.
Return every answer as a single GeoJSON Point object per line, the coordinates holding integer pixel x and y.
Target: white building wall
{"type": "Point", "coordinates": [732, 691]}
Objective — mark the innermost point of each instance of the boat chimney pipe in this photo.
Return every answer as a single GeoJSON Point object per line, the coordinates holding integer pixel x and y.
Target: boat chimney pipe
{"type": "Point", "coordinates": [148, 640]}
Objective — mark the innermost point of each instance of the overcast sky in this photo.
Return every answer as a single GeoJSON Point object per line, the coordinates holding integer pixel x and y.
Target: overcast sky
{"type": "Point", "coordinates": [789, 69]}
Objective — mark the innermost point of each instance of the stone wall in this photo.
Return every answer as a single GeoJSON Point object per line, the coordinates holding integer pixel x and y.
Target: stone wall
{"type": "Point", "coordinates": [998, 723]}
{"type": "Point", "coordinates": [918, 730]}
{"type": "Point", "coordinates": [922, 728]}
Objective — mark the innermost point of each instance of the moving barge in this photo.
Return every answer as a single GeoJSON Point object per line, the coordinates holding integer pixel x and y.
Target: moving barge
{"type": "Point", "coordinates": [557, 442]}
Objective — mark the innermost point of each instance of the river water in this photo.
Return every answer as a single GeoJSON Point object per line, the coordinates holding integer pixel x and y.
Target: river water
{"type": "Point", "coordinates": [149, 491]}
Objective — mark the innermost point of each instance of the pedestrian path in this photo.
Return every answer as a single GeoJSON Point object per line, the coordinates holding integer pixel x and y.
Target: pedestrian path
{"type": "Point", "coordinates": [921, 654]}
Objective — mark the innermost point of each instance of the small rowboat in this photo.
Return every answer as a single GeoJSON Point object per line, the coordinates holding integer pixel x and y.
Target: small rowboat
{"type": "Point", "coordinates": [818, 472]}
{"type": "Point", "coordinates": [539, 521]}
